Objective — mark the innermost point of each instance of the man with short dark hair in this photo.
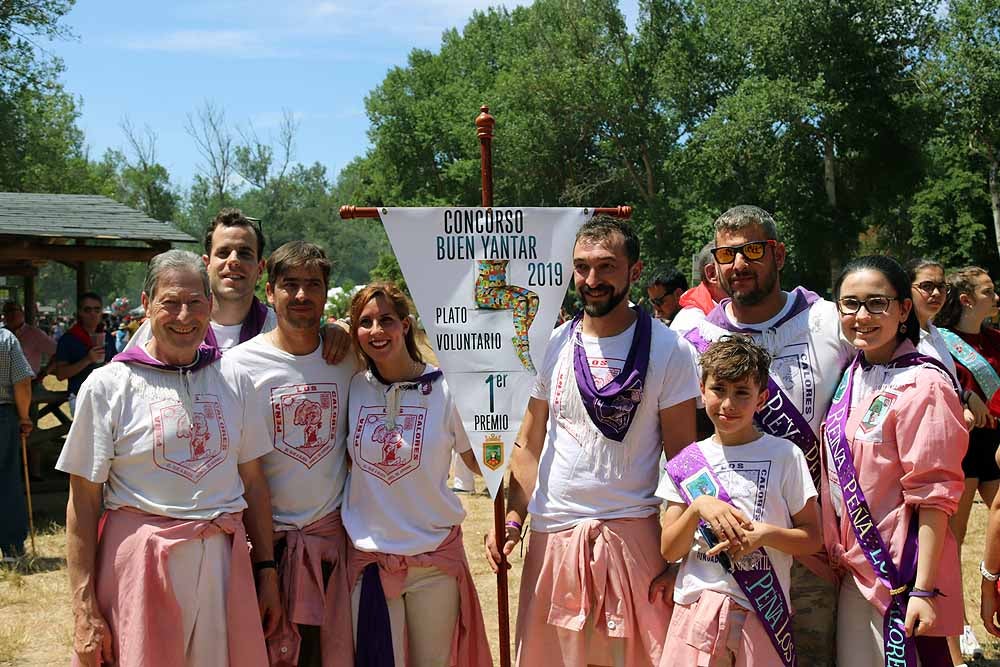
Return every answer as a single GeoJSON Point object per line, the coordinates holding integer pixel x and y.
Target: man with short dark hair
{"type": "Point", "coordinates": [84, 347]}
{"type": "Point", "coordinates": [306, 400]}
{"type": "Point", "coordinates": [616, 389]}
{"type": "Point", "coordinates": [664, 292]}
{"type": "Point", "coordinates": [801, 332]}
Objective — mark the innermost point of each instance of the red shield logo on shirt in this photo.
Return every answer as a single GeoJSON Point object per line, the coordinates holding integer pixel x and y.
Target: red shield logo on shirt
{"type": "Point", "coordinates": [389, 452]}
{"type": "Point", "coordinates": [189, 445]}
{"type": "Point", "coordinates": [305, 420]}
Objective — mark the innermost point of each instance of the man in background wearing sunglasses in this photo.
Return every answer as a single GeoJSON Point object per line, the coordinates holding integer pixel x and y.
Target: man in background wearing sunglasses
{"type": "Point", "coordinates": [664, 292]}
{"type": "Point", "coordinates": [84, 347]}
{"type": "Point", "coordinates": [802, 334]}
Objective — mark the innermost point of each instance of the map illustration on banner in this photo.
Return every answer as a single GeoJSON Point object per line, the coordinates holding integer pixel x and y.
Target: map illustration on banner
{"type": "Point", "coordinates": [488, 284]}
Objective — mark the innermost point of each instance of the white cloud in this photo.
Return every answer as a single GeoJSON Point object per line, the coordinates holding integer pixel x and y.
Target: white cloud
{"type": "Point", "coordinates": [240, 43]}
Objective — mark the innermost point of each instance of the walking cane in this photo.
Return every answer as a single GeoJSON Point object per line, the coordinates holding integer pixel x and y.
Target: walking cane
{"type": "Point", "coordinates": [27, 488]}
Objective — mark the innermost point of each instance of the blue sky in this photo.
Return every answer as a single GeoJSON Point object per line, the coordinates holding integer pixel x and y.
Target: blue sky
{"type": "Point", "coordinates": [157, 62]}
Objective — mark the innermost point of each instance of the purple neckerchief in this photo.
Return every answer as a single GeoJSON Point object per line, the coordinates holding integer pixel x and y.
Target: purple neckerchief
{"type": "Point", "coordinates": [374, 644]}
{"type": "Point", "coordinates": [252, 324]}
{"type": "Point", "coordinates": [779, 416]}
{"type": "Point", "coordinates": [613, 407]}
{"type": "Point", "coordinates": [802, 299]}
{"type": "Point", "coordinates": [693, 476]}
{"type": "Point", "coordinates": [899, 650]}
{"type": "Point", "coordinates": [206, 356]}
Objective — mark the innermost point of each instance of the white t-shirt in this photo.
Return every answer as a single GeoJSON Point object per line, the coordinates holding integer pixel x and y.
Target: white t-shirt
{"type": "Point", "coordinates": [768, 480]}
{"type": "Point", "coordinates": [687, 319]}
{"type": "Point", "coordinates": [228, 336]}
{"type": "Point", "coordinates": [398, 500]}
{"type": "Point", "coordinates": [808, 354]}
{"type": "Point", "coordinates": [166, 442]}
{"type": "Point", "coordinates": [580, 479]}
{"type": "Point", "coordinates": [306, 402]}
{"type": "Point", "coordinates": [933, 345]}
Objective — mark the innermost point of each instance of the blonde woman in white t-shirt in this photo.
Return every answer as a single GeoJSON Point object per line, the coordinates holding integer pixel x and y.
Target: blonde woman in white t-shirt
{"type": "Point", "coordinates": [413, 598]}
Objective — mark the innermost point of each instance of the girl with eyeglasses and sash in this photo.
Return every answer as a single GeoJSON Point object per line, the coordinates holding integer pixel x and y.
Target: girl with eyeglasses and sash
{"type": "Point", "coordinates": [894, 439]}
{"type": "Point", "coordinates": [976, 350]}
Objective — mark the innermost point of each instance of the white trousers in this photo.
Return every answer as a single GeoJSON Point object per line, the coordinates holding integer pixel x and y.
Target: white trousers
{"type": "Point", "coordinates": [423, 619]}
{"type": "Point", "coordinates": [199, 573]}
{"type": "Point", "coordinates": [859, 629]}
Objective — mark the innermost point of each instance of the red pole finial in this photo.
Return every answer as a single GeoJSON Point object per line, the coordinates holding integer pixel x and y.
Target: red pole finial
{"type": "Point", "coordinates": [484, 130]}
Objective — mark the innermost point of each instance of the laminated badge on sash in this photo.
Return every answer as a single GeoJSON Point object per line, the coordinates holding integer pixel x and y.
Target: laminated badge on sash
{"type": "Point", "coordinates": [755, 575]}
{"type": "Point", "coordinates": [899, 649]}
{"type": "Point", "coordinates": [779, 416]}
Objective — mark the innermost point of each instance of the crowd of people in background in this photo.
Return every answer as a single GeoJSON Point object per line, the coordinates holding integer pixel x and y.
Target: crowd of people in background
{"type": "Point", "coordinates": [821, 460]}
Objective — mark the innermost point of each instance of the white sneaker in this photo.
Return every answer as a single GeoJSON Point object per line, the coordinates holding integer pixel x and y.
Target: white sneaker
{"type": "Point", "coordinates": [969, 644]}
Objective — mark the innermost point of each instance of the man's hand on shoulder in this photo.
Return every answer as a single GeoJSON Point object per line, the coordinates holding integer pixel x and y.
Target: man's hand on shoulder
{"type": "Point", "coordinates": [336, 342]}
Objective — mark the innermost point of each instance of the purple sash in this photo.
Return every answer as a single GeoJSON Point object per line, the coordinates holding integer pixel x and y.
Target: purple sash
{"type": "Point", "coordinates": [693, 476]}
{"type": "Point", "coordinates": [899, 650]}
{"type": "Point", "coordinates": [779, 416]}
{"type": "Point", "coordinates": [613, 407]}
{"type": "Point", "coordinates": [252, 324]}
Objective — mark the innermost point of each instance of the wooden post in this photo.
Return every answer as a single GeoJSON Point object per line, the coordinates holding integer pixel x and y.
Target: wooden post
{"type": "Point", "coordinates": [29, 299]}
{"type": "Point", "coordinates": [82, 278]}
{"type": "Point", "coordinates": [484, 129]}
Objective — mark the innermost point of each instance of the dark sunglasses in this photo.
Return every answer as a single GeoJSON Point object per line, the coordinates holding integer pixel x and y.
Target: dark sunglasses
{"type": "Point", "coordinates": [658, 301]}
{"type": "Point", "coordinates": [752, 251]}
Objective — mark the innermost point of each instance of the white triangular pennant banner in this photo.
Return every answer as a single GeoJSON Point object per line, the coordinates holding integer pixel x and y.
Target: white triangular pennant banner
{"type": "Point", "coordinates": [488, 285]}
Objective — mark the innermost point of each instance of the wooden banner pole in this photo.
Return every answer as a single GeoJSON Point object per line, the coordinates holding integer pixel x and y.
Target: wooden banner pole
{"type": "Point", "coordinates": [484, 130]}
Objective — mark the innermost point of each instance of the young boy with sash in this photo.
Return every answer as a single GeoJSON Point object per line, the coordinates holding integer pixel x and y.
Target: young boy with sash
{"type": "Point", "coordinates": [740, 504]}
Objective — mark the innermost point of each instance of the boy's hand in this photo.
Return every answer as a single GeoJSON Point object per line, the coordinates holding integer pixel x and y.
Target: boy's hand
{"type": "Point", "coordinates": [755, 534]}
{"type": "Point", "coordinates": [662, 585]}
{"type": "Point", "coordinates": [724, 519]}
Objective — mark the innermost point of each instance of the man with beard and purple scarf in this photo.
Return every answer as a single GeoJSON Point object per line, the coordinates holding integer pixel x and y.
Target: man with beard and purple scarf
{"type": "Point", "coordinates": [616, 389]}
{"type": "Point", "coordinates": [802, 334]}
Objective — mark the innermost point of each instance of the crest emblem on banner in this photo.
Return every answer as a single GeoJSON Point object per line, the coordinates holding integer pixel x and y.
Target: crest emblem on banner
{"type": "Point", "coordinates": [389, 452]}
{"type": "Point", "coordinates": [493, 452]}
{"type": "Point", "coordinates": [189, 445]}
{"type": "Point", "coordinates": [305, 420]}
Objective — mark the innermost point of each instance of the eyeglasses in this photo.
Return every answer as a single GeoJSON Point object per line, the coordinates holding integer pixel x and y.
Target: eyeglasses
{"type": "Point", "coordinates": [753, 251]}
{"type": "Point", "coordinates": [875, 305]}
{"type": "Point", "coordinates": [658, 301]}
{"type": "Point", "coordinates": [91, 309]}
{"type": "Point", "coordinates": [928, 287]}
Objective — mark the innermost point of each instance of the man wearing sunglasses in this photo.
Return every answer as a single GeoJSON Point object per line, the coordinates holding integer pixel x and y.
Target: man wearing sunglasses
{"type": "Point", "coordinates": [664, 292]}
{"type": "Point", "coordinates": [83, 347]}
{"type": "Point", "coordinates": [802, 334]}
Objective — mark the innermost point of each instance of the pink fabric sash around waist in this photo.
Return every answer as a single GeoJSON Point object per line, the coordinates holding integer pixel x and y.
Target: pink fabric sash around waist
{"type": "Point", "coordinates": [470, 647]}
{"type": "Point", "coordinates": [312, 599]}
{"type": "Point", "coordinates": [136, 596]}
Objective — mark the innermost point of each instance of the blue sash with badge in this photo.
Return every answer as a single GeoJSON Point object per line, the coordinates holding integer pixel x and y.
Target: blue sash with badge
{"type": "Point", "coordinates": [985, 375]}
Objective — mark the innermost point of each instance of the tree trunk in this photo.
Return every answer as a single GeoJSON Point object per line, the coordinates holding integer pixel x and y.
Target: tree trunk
{"type": "Point", "coordinates": [995, 194]}
{"type": "Point", "coordinates": [830, 183]}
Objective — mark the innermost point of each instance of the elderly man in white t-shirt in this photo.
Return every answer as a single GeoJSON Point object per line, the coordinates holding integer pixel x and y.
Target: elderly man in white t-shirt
{"type": "Point", "coordinates": [616, 389]}
{"type": "Point", "coordinates": [305, 400]}
{"type": "Point", "coordinates": [801, 332]}
{"type": "Point", "coordinates": [161, 442]}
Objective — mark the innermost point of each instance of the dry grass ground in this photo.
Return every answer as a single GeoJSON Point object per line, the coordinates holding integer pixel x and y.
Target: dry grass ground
{"type": "Point", "coordinates": [35, 621]}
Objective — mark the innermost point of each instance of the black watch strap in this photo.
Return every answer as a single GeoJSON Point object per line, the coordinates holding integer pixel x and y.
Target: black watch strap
{"type": "Point", "coordinates": [264, 565]}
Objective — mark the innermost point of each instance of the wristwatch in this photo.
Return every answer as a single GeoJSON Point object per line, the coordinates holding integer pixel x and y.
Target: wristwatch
{"type": "Point", "coordinates": [987, 575]}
